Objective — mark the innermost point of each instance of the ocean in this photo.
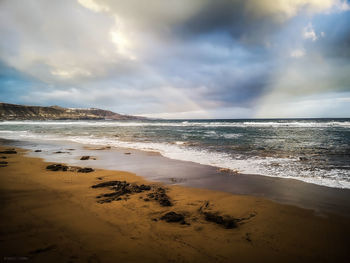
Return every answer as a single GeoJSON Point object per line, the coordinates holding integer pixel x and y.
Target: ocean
{"type": "Point", "coordinates": [311, 150]}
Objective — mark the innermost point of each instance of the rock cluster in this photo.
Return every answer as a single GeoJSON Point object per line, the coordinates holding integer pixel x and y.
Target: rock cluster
{"type": "Point", "coordinates": [120, 189]}
{"type": "Point", "coordinates": [9, 151]}
{"type": "Point", "coordinates": [85, 170]}
{"type": "Point", "coordinates": [57, 167]}
{"type": "Point", "coordinates": [226, 222]}
{"type": "Point", "coordinates": [159, 194]}
{"type": "Point", "coordinates": [60, 167]}
{"type": "Point", "coordinates": [124, 189]}
{"type": "Point", "coordinates": [214, 217]}
{"type": "Point", "coordinates": [173, 217]}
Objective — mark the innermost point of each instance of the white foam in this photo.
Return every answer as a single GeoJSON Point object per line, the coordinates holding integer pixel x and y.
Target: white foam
{"type": "Point", "coordinates": [231, 135]}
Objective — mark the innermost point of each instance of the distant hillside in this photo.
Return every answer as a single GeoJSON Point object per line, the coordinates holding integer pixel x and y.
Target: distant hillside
{"type": "Point", "coordinates": [21, 112]}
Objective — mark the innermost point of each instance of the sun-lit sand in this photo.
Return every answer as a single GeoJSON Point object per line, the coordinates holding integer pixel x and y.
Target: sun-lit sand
{"type": "Point", "coordinates": [49, 216]}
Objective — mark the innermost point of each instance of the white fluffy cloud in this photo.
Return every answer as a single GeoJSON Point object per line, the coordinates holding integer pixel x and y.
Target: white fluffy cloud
{"type": "Point", "coordinates": [60, 41]}
{"type": "Point", "coordinates": [309, 32]}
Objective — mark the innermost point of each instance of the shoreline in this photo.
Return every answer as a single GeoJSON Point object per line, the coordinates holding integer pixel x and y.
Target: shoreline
{"type": "Point", "coordinates": [55, 216]}
{"type": "Point", "coordinates": [155, 167]}
{"type": "Point", "coordinates": [307, 163]}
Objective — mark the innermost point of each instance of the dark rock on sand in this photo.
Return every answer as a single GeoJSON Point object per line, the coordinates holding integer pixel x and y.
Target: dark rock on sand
{"type": "Point", "coordinates": [165, 202]}
{"type": "Point", "coordinates": [120, 188]}
{"type": "Point", "coordinates": [117, 185]}
{"type": "Point", "coordinates": [83, 158]}
{"type": "Point", "coordinates": [106, 184]}
{"type": "Point", "coordinates": [114, 194]}
{"type": "Point", "coordinates": [160, 195]}
{"type": "Point", "coordinates": [60, 152]}
{"type": "Point", "coordinates": [141, 188]}
{"type": "Point", "coordinates": [303, 159]}
{"type": "Point", "coordinates": [172, 217]}
{"type": "Point", "coordinates": [57, 167]}
{"type": "Point", "coordinates": [61, 167]}
{"type": "Point", "coordinates": [127, 153]}
{"type": "Point", "coordinates": [12, 151]}
{"type": "Point", "coordinates": [85, 170]}
{"type": "Point", "coordinates": [226, 222]}
{"type": "Point", "coordinates": [3, 162]}
{"type": "Point", "coordinates": [38, 151]}
{"type": "Point", "coordinates": [3, 157]}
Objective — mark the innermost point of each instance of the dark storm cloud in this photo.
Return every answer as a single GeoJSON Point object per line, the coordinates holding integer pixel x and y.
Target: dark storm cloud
{"type": "Point", "coordinates": [228, 16]}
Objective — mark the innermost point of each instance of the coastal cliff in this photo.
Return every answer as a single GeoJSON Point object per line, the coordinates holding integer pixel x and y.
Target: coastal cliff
{"type": "Point", "coordinates": [22, 112]}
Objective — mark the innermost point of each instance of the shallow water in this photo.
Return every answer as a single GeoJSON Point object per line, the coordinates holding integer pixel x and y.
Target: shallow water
{"type": "Point", "coordinates": [311, 150]}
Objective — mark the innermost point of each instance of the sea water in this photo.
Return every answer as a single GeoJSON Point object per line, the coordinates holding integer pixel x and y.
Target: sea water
{"type": "Point", "coordinates": [312, 150]}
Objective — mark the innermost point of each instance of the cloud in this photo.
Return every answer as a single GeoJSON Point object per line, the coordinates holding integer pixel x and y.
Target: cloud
{"type": "Point", "coordinates": [219, 113]}
{"type": "Point", "coordinates": [306, 88]}
{"type": "Point", "coordinates": [332, 105]}
{"type": "Point", "coordinates": [71, 73]}
{"type": "Point", "coordinates": [193, 58]}
{"type": "Point", "coordinates": [297, 53]}
{"type": "Point", "coordinates": [41, 43]}
{"type": "Point", "coordinates": [92, 5]}
{"type": "Point", "coordinates": [287, 9]}
{"type": "Point", "coordinates": [342, 6]}
{"type": "Point", "coordinates": [246, 20]}
{"type": "Point", "coordinates": [309, 32]}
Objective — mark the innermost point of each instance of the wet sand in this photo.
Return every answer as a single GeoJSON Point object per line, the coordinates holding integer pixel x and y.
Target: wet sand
{"type": "Point", "coordinates": [51, 216]}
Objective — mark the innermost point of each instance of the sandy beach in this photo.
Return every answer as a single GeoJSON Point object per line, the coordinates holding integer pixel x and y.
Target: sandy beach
{"type": "Point", "coordinates": [185, 131]}
{"type": "Point", "coordinates": [54, 216]}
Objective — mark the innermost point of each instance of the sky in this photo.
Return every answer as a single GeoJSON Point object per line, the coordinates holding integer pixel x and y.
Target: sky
{"type": "Point", "coordinates": [179, 58]}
